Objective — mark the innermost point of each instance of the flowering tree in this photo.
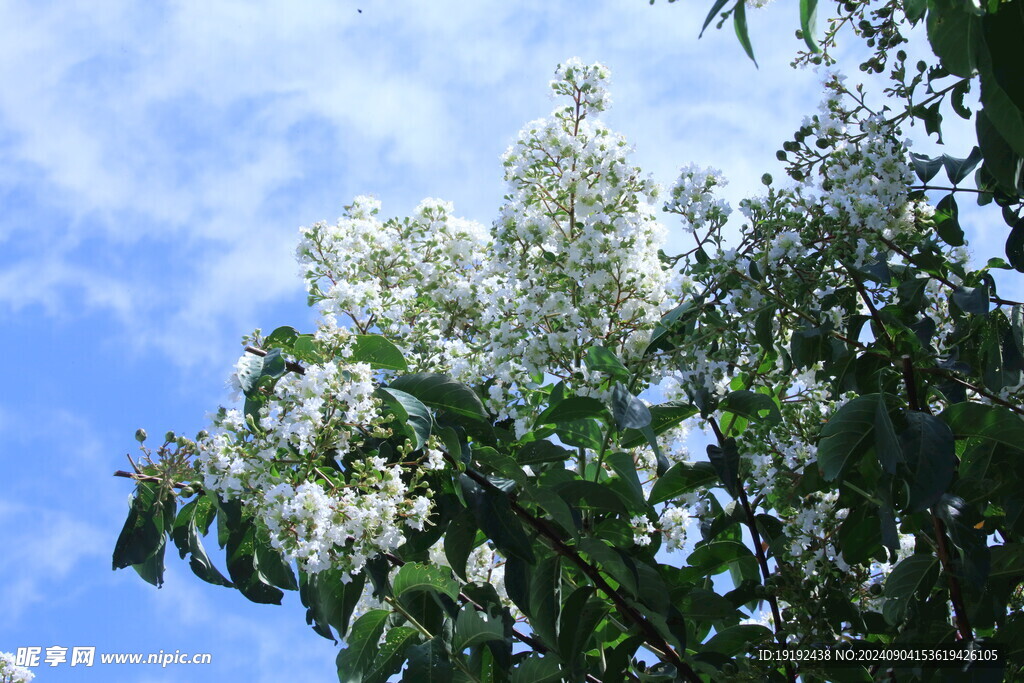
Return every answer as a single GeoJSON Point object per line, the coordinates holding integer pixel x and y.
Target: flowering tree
{"type": "Point", "coordinates": [462, 472]}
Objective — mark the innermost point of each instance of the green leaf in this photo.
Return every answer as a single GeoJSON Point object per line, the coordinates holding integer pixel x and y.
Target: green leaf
{"type": "Point", "coordinates": [971, 299]}
{"type": "Point", "coordinates": [847, 435]}
{"type": "Point", "coordinates": [947, 221]}
{"type": "Point", "coordinates": [541, 451]}
{"type": "Point", "coordinates": [573, 408]}
{"type": "Point", "coordinates": [474, 628]}
{"type": "Point", "coordinates": [459, 542]}
{"type": "Point", "coordinates": [664, 416]}
{"type": "Point", "coordinates": [715, 9]}
{"type": "Point", "coordinates": [629, 411]}
{"type": "Point", "coordinates": [190, 519]}
{"type": "Point", "coordinates": [887, 445]}
{"type": "Point", "coordinates": [753, 406]}
{"type": "Point", "coordinates": [600, 359]}
{"type": "Point", "coordinates": [537, 669]}
{"type": "Point", "coordinates": [929, 453]}
{"type": "Point", "coordinates": [736, 639]}
{"type": "Point", "coordinates": [330, 599]}
{"type": "Point", "coordinates": [495, 517]}
{"type": "Point", "coordinates": [428, 663]}
{"type": "Point", "coordinates": [272, 566]}
{"type": "Point", "coordinates": [924, 167]}
{"type": "Point", "coordinates": [612, 563]}
{"type": "Point", "coordinates": [392, 653]}
{"type": "Point", "coordinates": [701, 604]}
{"type": "Point", "coordinates": [243, 567]}
{"type": "Point", "coordinates": [1015, 246]}
{"type": "Point", "coordinates": [421, 577]}
{"type": "Point", "coordinates": [546, 599]}
{"type": "Point", "coordinates": [912, 578]}
{"type": "Point", "coordinates": [978, 420]}
{"type": "Point", "coordinates": [808, 18]}
{"type": "Point", "coordinates": [581, 433]}
{"type": "Point", "coordinates": [378, 351]}
{"type": "Point", "coordinates": [581, 613]}
{"type": "Point", "coordinates": [739, 22]}
{"type": "Point", "coordinates": [143, 532]}
{"type": "Point", "coordinates": [725, 459]}
{"type": "Point", "coordinates": [717, 557]}
{"type": "Point", "coordinates": [441, 392]}
{"type": "Point", "coordinates": [954, 36]}
{"type": "Point", "coordinates": [410, 413]}
{"type": "Point", "coordinates": [586, 493]}
{"type": "Point", "coordinates": [682, 478]}
{"type": "Point", "coordinates": [958, 169]}
{"type": "Point", "coordinates": [357, 659]}
{"type": "Point", "coordinates": [623, 466]}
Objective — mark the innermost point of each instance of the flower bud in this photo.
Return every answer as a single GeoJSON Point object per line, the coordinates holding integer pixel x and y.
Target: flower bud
{"type": "Point", "coordinates": [140, 435]}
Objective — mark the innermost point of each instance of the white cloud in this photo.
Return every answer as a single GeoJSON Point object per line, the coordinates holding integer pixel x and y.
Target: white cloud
{"type": "Point", "coordinates": [176, 148]}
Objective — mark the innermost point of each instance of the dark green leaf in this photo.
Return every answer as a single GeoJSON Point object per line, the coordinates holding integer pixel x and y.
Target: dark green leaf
{"type": "Point", "coordinates": [495, 518]}
{"type": "Point", "coordinates": [378, 351]}
{"type": "Point", "coordinates": [928, 450]}
{"type": "Point", "coordinates": [392, 653]}
{"type": "Point", "coordinates": [355, 661]}
{"type": "Point", "coordinates": [441, 392]}
{"type": "Point", "coordinates": [428, 663]}
{"type": "Point", "coordinates": [808, 19]}
{"type": "Point", "coordinates": [739, 638]}
{"type": "Point", "coordinates": [410, 413]}
{"type": "Point", "coordinates": [143, 532]}
{"type": "Point", "coordinates": [924, 167]}
{"type": "Point", "coordinates": [682, 478]}
{"type": "Point", "coordinates": [664, 416]}
{"type": "Point", "coordinates": [1015, 246]}
{"type": "Point", "coordinates": [739, 22]}
{"type": "Point", "coordinates": [957, 169]}
{"type": "Point", "coordinates": [459, 541]}
{"type": "Point", "coordinates": [753, 406]}
{"type": "Point", "coordinates": [474, 628]}
{"type": "Point", "coordinates": [971, 299]}
{"type": "Point", "coordinates": [947, 221]}
{"type": "Point", "coordinates": [994, 423]}
{"type": "Point", "coordinates": [600, 359]}
{"type": "Point", "coordinates": [421, 577]}
{"type": "Point", "coordinates": [629, 411]}
{"type": "Point", "coordinates": [725, 459]}
{"type": "Point", "coordinates": [573, 408]}
{"type": "Point", "coordinates": [847, 435]}
{"type": "Point", "coordinates": [581, 433]}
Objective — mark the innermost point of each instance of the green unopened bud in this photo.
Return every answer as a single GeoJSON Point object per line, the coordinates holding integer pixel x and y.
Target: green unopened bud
{"type": "Point", "coordinates": [875, 589]}
{"type": "Point", "coordinates": [766, 179]}
{"type": "Point", "coordinates": [202, 435]}
{"type": "Point", "coordinates": [187, 491]}
{"type": "Point", "coordinates": [140, 435]}
{"type": "Point", "coordinates": [169, 436]}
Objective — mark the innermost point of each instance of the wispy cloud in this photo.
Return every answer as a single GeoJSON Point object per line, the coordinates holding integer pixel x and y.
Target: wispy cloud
{"type": "Point", "coordinates": [173, 150]}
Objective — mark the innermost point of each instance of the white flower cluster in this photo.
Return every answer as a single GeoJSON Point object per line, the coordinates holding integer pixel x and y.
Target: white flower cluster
{"type": "Point", "coordinates": [274, 470]}
{"type": "Point", "coordinates": [642, 529]}
{"type": "Point", "coordinates": [692, 197]}
{"type": "Point", "coordinates": [865, 182]}
{"type": "Point", "coordinates": [11, 672]}
{"type": "Point", "coordinates": [418, 281]}
{"type": "Point", "coordinates": [576, 244]}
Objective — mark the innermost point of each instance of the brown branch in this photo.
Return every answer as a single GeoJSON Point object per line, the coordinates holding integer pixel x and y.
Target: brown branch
{"type": "Point", "coordinates": [533, 643]}
{"type": "Point", "coordinates": [148, 477]}
{"type": "Point", "coordinates": [667, 652]}
{"type": "Point", "coordinates": [762, 559]}
{"type": "Point", "coordinates": [291, 366]}
{"type": "Point", "coordinates": [963, 625]}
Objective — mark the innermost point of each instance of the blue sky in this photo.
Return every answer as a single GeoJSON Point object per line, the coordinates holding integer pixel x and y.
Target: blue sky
{"type": "Point", "coordinates": [156, 160]}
